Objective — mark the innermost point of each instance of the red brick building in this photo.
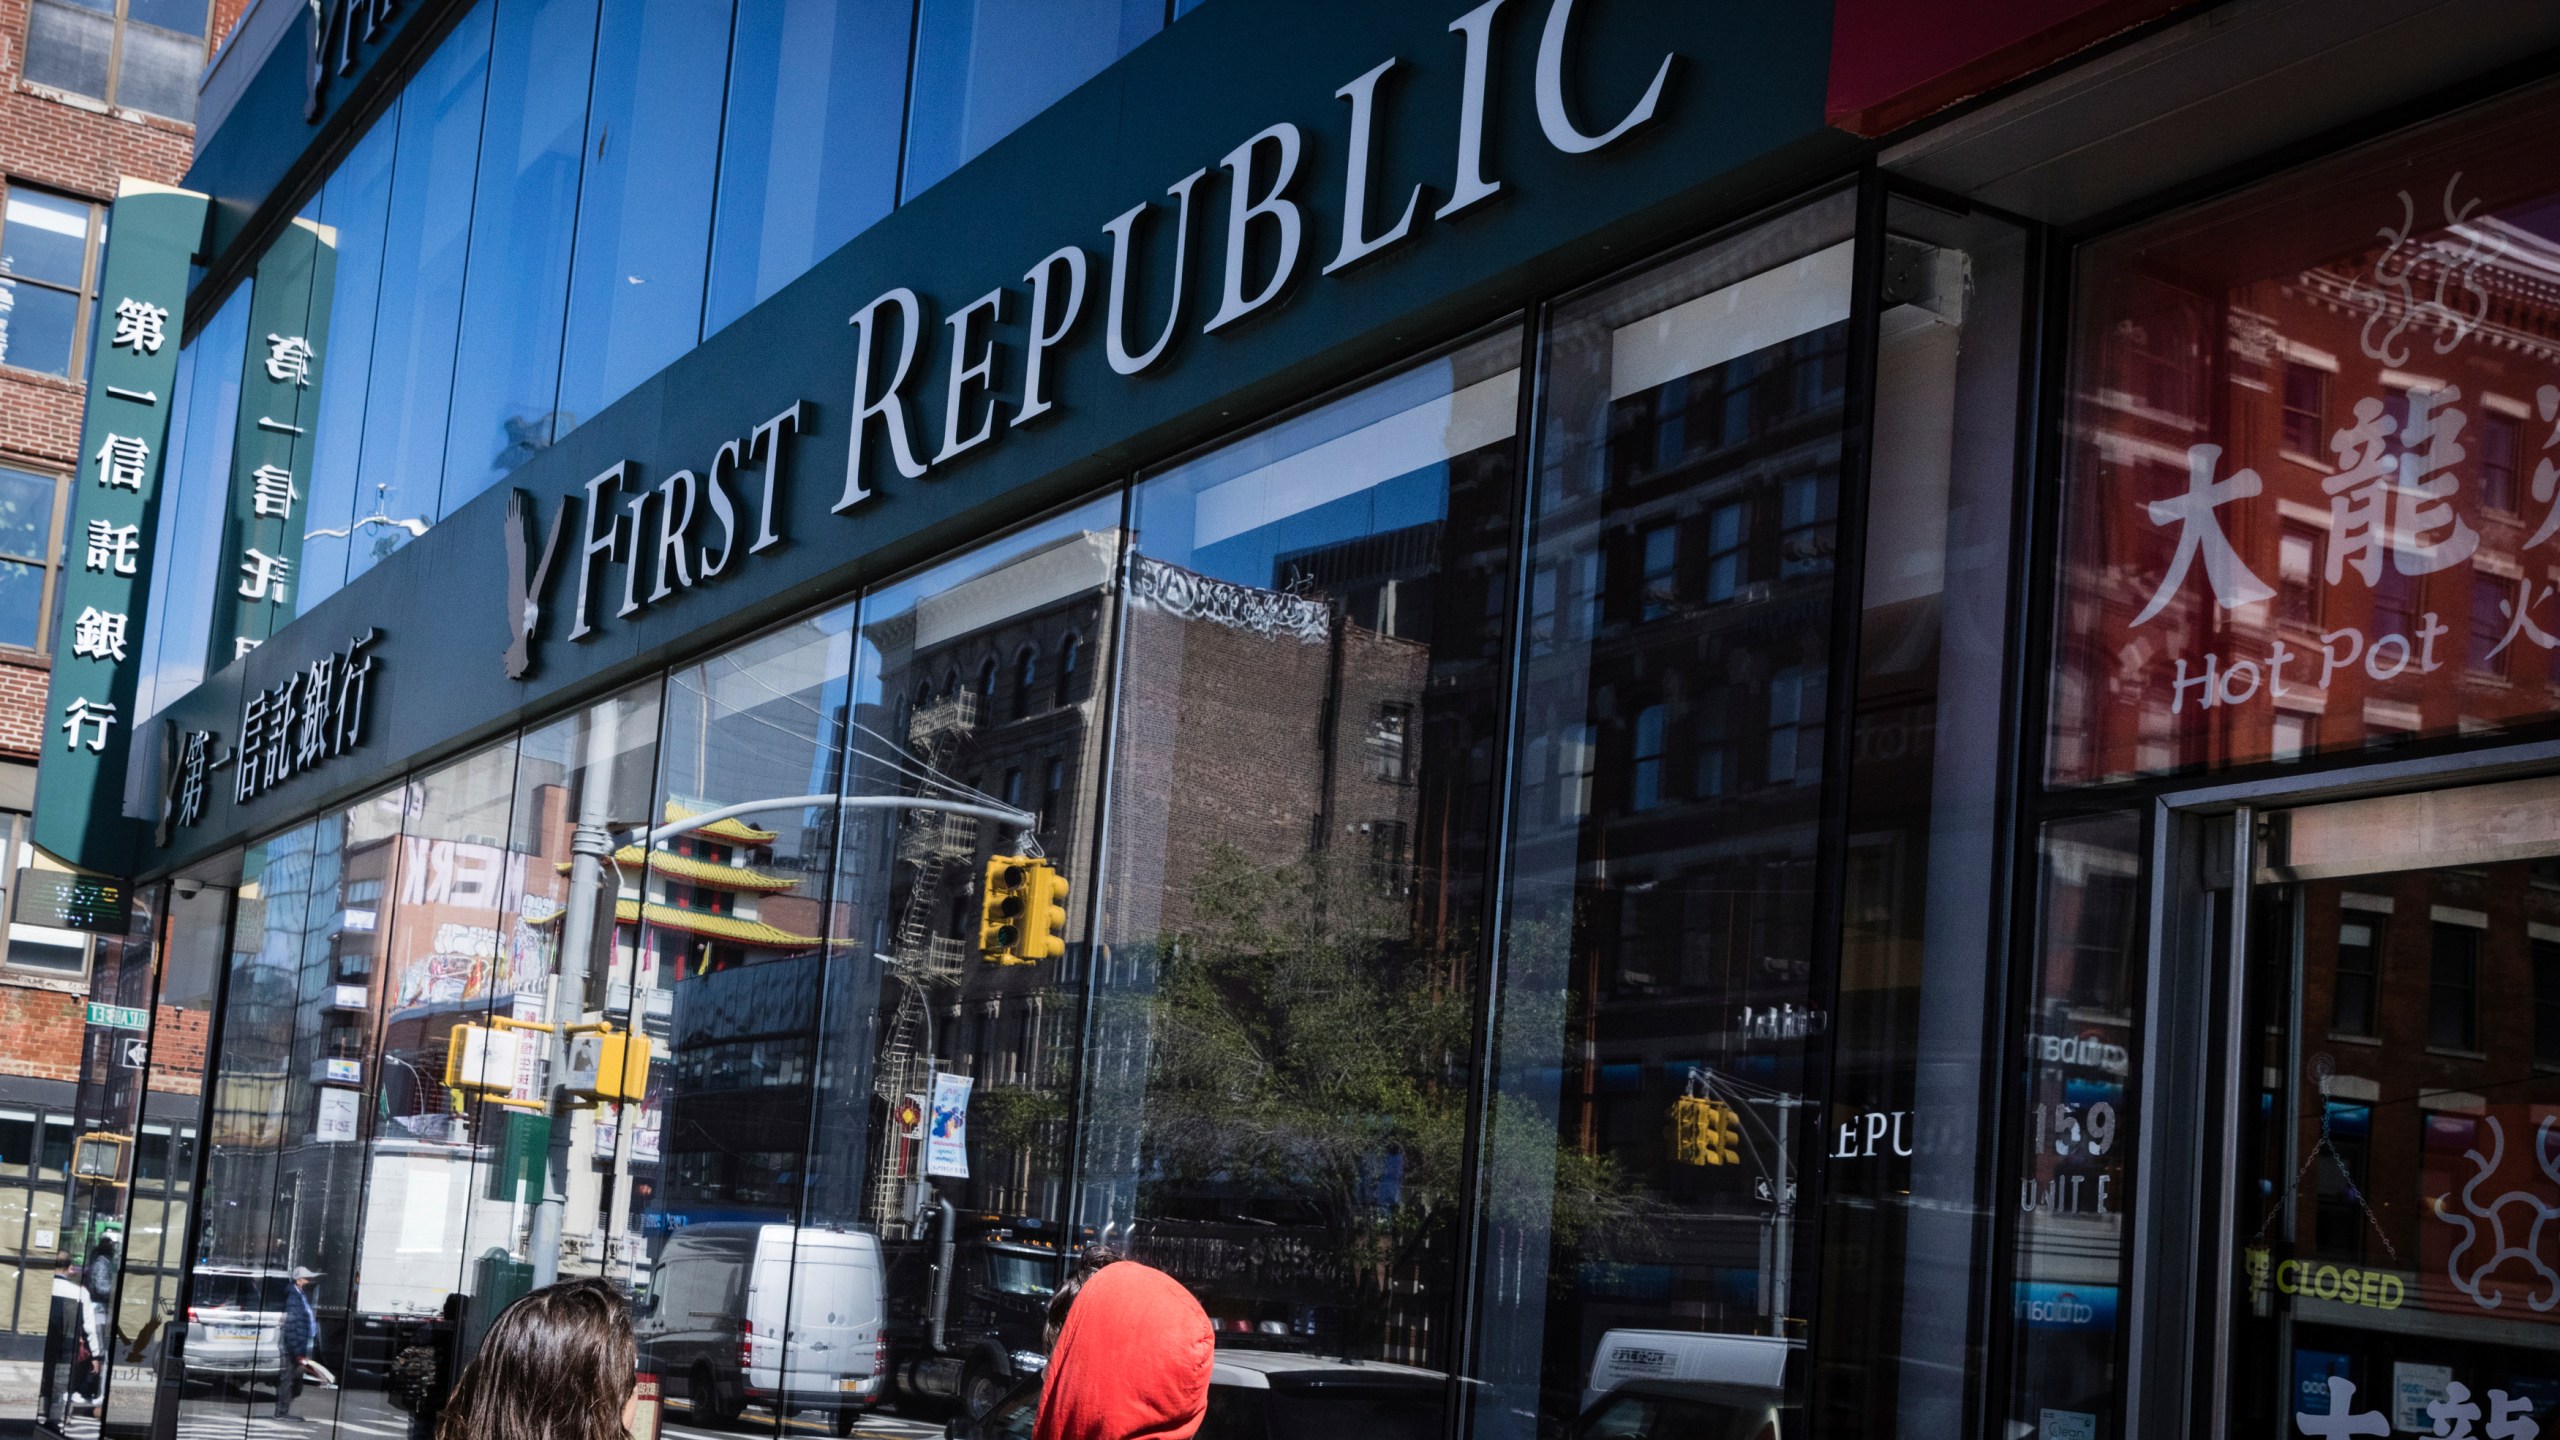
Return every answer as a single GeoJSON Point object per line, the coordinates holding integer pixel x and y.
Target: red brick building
{"type": "Point", "coordinates": [89, 94]}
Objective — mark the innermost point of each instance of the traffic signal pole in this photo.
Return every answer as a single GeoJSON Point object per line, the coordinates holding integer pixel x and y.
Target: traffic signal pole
{"type": "Point", "coordinates": [591, 844]}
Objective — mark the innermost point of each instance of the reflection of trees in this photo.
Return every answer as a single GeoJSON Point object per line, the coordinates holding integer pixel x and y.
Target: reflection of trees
{"type": "Point", "coordinates": [1307, 1066]}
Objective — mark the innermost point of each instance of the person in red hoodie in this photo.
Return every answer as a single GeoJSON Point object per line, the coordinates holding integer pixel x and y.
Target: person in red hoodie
{"type": "Point", "coordinates": [1131, 1363]}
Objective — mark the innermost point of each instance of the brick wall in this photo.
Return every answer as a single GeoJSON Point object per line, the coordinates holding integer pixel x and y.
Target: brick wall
{"type": "Point", "coordinates": [40, 1032]}
{"type": "Point", "coordinates": [70, 145]}
{"type": "Point", "coordinates": [177, 1049]}
{"type": "Point", "coordinates": [22, 682]}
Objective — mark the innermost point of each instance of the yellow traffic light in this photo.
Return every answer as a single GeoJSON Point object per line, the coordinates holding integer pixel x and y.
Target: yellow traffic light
{"type": "Point", "coordinates": [1003, 910]}
{"type": "Point", "coordinates": [1724, 1135]}
{"type": "Point", "coordinates": [1689, 1129]}
{"type": "Point", "coordinates": [1044, 930]}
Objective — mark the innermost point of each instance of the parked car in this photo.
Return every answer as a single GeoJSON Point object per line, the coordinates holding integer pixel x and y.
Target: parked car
{"type": "Point", "coordinates": [1687, 1385]}
{"type": "Point", "coordinates": [1275, 1395]}
{"type": "Point", "coordinates": [233, 1316]}
{"type": "Point", "coordinates": [771, 1315]}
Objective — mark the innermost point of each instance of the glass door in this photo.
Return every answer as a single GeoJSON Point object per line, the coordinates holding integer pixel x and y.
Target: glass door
{"type": "Point", "coordinates": [2396, 1159]}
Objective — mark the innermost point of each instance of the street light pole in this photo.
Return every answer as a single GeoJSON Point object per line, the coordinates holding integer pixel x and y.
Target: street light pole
{"type": "Point", "coordinates": [590, 845]}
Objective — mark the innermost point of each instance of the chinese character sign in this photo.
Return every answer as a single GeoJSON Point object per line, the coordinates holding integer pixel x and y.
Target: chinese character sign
{"type": "Point", "coordinates": [105, 585]}
{"type": "Point", "coordinates": [2312, 465]}
{"type": "Point", "coordinates": [271, 446]}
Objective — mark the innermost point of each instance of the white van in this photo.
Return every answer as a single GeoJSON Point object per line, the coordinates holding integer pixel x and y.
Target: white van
{"type": "Point", "coordinates": [772, 1315]}
{"type": "Point", "coordinates": [1750, 1363]}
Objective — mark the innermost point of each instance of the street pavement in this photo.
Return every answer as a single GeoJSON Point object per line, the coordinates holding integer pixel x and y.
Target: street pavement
{"type": "Point", "coordinates": [365, 1415]}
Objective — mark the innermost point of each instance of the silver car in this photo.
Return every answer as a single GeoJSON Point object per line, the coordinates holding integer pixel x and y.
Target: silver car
{"type": "Point", "coordinates": [233, 1316]}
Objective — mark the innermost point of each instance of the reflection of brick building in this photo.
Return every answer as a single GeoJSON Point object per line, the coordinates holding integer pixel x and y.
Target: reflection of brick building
{"type": "Point", "coordinates": [2312, 377]}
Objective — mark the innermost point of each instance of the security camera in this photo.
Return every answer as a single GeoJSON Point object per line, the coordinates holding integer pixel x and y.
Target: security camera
{"type": "Point", "coordinates": [189, 889]}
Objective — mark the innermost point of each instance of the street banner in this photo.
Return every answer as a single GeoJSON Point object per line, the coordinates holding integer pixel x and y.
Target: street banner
{"type": "Point", "coordinates": [105, 585]}
{"type": "Point", "coordinates": [946, 1140]}
{"type": "Point", "coordinates": [271, 444]}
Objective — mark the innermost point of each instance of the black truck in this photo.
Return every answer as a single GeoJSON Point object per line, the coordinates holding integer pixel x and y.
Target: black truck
{"type": "Point", "coordinates": [968, 1303]}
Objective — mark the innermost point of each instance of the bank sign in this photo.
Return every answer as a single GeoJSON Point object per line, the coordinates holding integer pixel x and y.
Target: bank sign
{"type": "Point", "coordinates": [1133, 283]}
{"type": "Point", "coordinates": [1261, 203]}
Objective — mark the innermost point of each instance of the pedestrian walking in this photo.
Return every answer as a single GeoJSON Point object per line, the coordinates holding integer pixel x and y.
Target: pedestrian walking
{"type": "Point", "coordinates": [295, 1339]}
{"type": "Point", "coordinates": [422, 1371]}
{"type": "Point", "coordinates": [1131, 1363]}
{"type": "Point", "coordinates": [558, 1364]}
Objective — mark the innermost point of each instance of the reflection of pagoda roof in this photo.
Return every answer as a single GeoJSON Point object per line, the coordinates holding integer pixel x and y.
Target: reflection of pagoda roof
{"type": "Point", "coordinates": [733, 829]}
{"type": "Point", "coordinates": [711, 927]}
{"type": "Point", "coordinates": [710, 874]}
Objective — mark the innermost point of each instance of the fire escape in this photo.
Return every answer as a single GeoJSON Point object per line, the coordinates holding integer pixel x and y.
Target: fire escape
{"type": "Point", "coordinates": [941, 846]}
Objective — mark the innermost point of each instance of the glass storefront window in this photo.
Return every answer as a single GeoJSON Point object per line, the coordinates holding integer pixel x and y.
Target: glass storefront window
{"type": "Point", "coordinates": [2309, 459]}
{"type": "Point", "coordinates": [508, 358]}
{"type": "Point", "coordinates": [983, 67]}
{"type": "Point", "coordinates": [356, 203]}
{"type": "Point", "coordinates": [723, 927]}
{"type": "Point", "coordinates": [929, 1002]}
{"type": "Point", "coordinates": [2068, 1267]}
{"type": "Point", "coordinates": [1907, 1175]}
{"type": "Point", "coordinates": [1649, 1120]}
{"type": "Point", "coordinates": [434, 904]}
{"type": "Point", "coordinates": [426, 245]}
{"type": "Point", "coordinates": [1295, 882]}
{"type": "Point", "coordinates": [644, 204]}
{"type": "Point", "coordinates": [159, 1223]}
{"type": "Point", "coordinates": [809, 147]}
{"type": "Point", "coordinates": [195, 485]}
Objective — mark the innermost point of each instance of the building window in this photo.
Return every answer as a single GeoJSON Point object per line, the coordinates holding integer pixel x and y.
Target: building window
{"type": "Point", "coordinates": [1661, 570]}
{"type": "Point", "coordinates": [2295, 736]}
{"type": "Point", "coordinates": [1809, 506]}
{"type": "Point", "coordinates": [1053, 796]}
{"type": "Point", "coordinates": [138, 54]}
{"type": "Point", "coordinates": [1795, 725]}
{"type": "Point", "coordinates": [2353, 1009]}
{"type": "Point", "coordinates": [1070, 655]}
{"type": "Point", "coordinates": [1645, 790]}
{"type": "Point", "coordinates": [2395, 603]}
{"type": "Point", "coordinates": [1575, 760]}
{"type": "Point", "coordinates": [987, 684]}
{"type": "Point", "coordinates": [30, 522]}
{"type": "Point", "coordinates": [1719, 768]}
{"type": "Point", "coordinates": [2306, 409]}
{"type": "Point", "coordinates": [2453, 987]}
{"type": "Point", "coordinates": [2501, 439]}
{"type": "Point", "coordinates": [48, 277]}
{"type": "Point", "coordinates": [2546, 1002]}
{"type": "Point", "coordinates": [2489, 624]}
{"type": "Point", "coordinates": [1026, 673]}
{"type": "Point", "coordinates": [2298, 586]}
{"type": "Point", "coordinates": [1728, 549]}
{"type": "Point", "coordinates": [1391, 743]}
{"type": "Point", "coordinates": [1390, 841]}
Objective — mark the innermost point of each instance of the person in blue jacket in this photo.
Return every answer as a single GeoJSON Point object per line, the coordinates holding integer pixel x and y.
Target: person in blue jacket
{"type": "Point", "coordinates": [294, 1340]}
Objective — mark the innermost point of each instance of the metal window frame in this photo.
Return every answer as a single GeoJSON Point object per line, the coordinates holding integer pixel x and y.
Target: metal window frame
{"type": "Point", "coordinates": [84, 294]}
{"type": "Point", "coordinates": [2181, 1228]}
{"type": "Point", "coordinates": [115, 58]}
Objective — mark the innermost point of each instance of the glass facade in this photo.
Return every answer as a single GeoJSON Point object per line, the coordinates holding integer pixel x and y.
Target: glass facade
{"type": "Point", "coordinates": [1718, 854]}
{"type": "Point", "coordinates": [568, 195]}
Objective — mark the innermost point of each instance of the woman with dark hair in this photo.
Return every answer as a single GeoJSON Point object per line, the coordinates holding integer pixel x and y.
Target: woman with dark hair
{"type": "Point", "coordinates": [555, 1365]}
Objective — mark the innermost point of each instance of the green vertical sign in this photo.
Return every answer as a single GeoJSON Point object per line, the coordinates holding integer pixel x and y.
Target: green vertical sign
{"type": "Point", "coordinates": [270, 507]}
{"type": "Point", "coordinates": [105, 590]}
